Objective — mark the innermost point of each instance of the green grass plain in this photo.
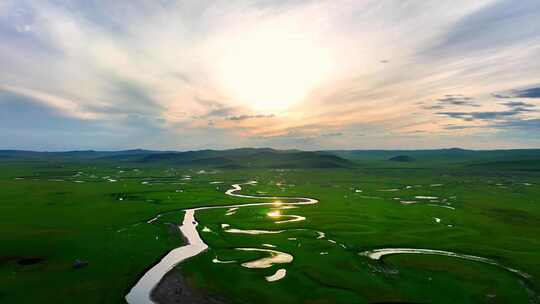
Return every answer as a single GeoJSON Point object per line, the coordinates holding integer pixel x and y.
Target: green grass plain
{"type": "Point", "coordinates": [45, 213]}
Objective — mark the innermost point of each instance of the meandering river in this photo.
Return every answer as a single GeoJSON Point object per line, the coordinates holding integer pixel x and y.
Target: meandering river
{"type": "Point", "coordinates": [140, 293]}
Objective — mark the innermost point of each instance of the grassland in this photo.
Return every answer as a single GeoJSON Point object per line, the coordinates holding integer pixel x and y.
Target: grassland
{"type": "Point", "coordinates": [49, 210]}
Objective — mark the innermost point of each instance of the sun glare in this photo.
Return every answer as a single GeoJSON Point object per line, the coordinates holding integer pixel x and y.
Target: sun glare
{"type": "Point", "coordinates": [272, 69]}
{"type": "Point", "coordinates": [278, 203]}
{"type": "Point", "coordinates": [274, 213]}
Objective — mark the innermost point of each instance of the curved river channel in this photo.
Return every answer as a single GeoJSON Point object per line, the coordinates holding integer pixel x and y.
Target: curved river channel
{"type": "Point", "coordinates": [141, 292]}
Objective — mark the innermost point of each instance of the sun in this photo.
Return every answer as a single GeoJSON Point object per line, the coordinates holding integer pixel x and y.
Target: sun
{"type": "Point", "coordinates": [273, 68]}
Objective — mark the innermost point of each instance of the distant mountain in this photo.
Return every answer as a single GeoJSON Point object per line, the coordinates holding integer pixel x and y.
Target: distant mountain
{"type": "Point", "coordinates": [71, 155]}
{"type": "Point", "coordinates": [452, 155]}
{"type": "Point", "coordinates": [225, 159]}
{"type": "Point", "coordinates": [250, 158]}
{"type": "Point", "coordinates": [523, 159]}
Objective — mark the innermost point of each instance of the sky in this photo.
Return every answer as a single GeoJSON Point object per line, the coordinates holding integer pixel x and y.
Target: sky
{"type": "Point", "coordinates": [312, 74]}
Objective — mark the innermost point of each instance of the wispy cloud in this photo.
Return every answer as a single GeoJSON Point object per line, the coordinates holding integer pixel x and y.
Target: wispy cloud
{"type": "Point", "coordinates": [518, 104]}
{"type": "Point", "coordinates": [305, 74]}
{"type": "Point", "coordinates": [244, 117]}
{"type": "Point", "coordinates": [451, 100]}
{"type": "Point", "coordinates": [528, 93]}
{"type": "Point", "coordinates": [489, 115]}
{"type": "Point", "coordinates": [63, 105]}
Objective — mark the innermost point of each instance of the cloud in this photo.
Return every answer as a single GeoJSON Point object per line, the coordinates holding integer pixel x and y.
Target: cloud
{"type": "Point", "coordinates": [145, 122]}
{"type": "Point", "coordinates": [457, 100]}
{"type": "Point", "coordinates": [458, 127]}
{"type": "Point", "coordinates": [519, 104]}
{"type": "Point", "coordinates": [219, 112]}
{"type": "Point", "coordinates": [334, 134]}
{"type": "Point", "coordinates": [63, 105]}
{"type": "Point", "coordinates": [245, 117]}
{"type": "Point", "coordinates": [516, 117]}
{"type": "Point", "coordinates": [433, 107]}
{"type": "Point", "coordinates": [494, 25]}
{"type": "Point", "coordinates": [451, 100]}
{"type": "Point", "coordinates": [526, 124]}
{"type": "Point", "coordinates": [493, 115]}
{"type": "Point", "coordinates": [162, 67]}
{"type": "Point", "coordinates": [533, 92]}
{"type": "Point", "coordinates": [28, 124]}
{"type": "Point", "coordinates": [487, 115]}
{"type": "Point", "coordinates": [455, 114]}
{"type": "Point", "coordinates": [210, 103]}
{"type": "Point", "coordinates": [131, 98]}
{"type": "Point", "coordinates": [528, 93]}
{"type": "Point", "coordinates": [502, 96]}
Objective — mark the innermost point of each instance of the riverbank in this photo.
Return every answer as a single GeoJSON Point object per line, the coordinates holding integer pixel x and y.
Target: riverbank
{"type": "Point", "coordinates": [175, 289]}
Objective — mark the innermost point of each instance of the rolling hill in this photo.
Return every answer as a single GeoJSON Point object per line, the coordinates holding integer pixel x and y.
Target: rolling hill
{"type": "Point", "coordinates": [220, 159]}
